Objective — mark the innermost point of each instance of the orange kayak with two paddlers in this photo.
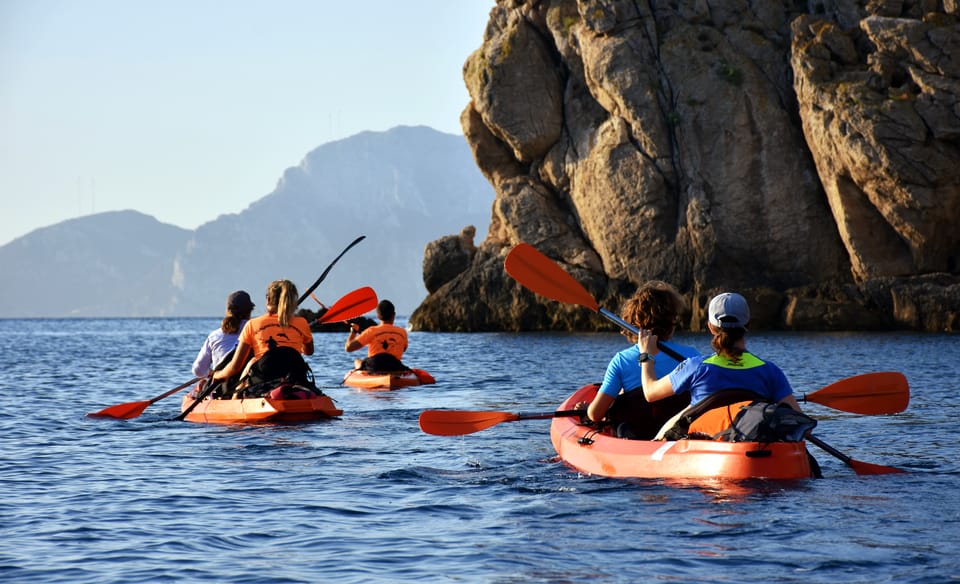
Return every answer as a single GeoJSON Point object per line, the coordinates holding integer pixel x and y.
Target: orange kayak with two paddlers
{"type": "Point", "coordinates": [598, 452]}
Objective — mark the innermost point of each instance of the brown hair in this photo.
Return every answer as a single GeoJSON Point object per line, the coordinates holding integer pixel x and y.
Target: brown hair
{"type": "Point", "coordinates": [231, 322]}
{"type": "Point", "coordinates": [282, 300]}
{"type": "Point", "coordinates": [725, 340]}
{"type": "Point", "coordinates": [655, 306]}
{"type": "Point", "coordinates": [385, 311]}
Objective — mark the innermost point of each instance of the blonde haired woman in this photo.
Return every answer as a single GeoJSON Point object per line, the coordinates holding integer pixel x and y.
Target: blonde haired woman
{"type": "Point", "coordinates": [279, 335]}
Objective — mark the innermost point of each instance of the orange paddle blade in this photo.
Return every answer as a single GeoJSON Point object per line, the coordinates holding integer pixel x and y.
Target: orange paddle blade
{"type": "Point", "coordinates": [424, 377]}
{"type": "Point", "coordinates": [122, 411]}
{"type": "Point", "coordinates": [861, 468]}
{"type": "Point", "coordinates": [351, 305]}
{"type": "Point", "coordinates": [459, 422]}
{"type": "Point", "coordinates": [866, 468]}
{"type": "Point", "coordinates": [134, 409]}
{"type": "Point", "coordinates": [885, 392]}
{"type": "Point", "coordinates": [541, 275]}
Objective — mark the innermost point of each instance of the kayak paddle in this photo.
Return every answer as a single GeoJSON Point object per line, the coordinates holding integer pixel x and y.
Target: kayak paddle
{"type": "Point", "coordinates": [884, 392]}
{"type": "Point", "coordinates": [351, 305]}
{"type": "Point", "coordinates": [460, 422]}
{"type": "Point", "coordinates": [853, 394]}
{"type": "Point", "coordinates": [210, 386]}
{"type": "Point", "coordinates": [861, 468]}
{"type": "Point", "coordinates": [543, 276]}
{"type": "Point", "coordinates": [134, 409]}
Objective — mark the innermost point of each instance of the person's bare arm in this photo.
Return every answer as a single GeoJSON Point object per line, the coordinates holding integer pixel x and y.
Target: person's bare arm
{"type": "Point", "coordinates": [653, 389]}
{"type": "Point", "coordinates": [792, 402]}
{"type": "Point", "coordinates": [599, 406]}
{"type": "Point", "coordinates": [236, 364]}
{"type": "Point", "coordinates": [352, 344]}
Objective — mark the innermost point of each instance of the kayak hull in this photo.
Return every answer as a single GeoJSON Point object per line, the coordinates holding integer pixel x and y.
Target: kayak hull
{"type": "Point", "coordinates": [589, 451]}
{"type": "Point", "coordinates": [387, 380]}
{"type": "Point", "coordinates": [260, 410]}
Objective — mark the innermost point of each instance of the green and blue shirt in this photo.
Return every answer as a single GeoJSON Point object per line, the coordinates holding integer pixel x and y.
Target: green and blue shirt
{"type": "Point", "coordinates": [703, 376]}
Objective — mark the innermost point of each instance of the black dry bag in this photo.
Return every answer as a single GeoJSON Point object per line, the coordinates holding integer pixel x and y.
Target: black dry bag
{"type": "Point", "coordinates": [768, 422]}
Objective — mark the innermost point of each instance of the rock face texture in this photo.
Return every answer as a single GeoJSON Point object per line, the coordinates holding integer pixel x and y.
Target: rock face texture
{"type": "Point", "coordinates": [805, 154]}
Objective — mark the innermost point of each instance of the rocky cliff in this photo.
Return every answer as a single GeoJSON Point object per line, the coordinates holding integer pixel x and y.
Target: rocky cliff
{"type": "Point", "coordinates": [803, 153]}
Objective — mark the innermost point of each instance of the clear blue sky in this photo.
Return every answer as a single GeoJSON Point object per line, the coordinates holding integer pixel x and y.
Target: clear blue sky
{"type": "Point", "coordinates": [187, 109]}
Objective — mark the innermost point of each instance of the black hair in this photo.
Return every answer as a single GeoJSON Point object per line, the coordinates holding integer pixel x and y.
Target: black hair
{"type": "Point", "coordinates": [385, 311]}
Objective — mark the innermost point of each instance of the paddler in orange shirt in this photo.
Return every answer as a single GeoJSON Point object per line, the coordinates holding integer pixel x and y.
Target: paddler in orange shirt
{"type": "Point", "coordinates": [385, 342]}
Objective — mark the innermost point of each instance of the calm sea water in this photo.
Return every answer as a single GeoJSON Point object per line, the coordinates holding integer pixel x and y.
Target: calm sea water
{"type": "Point", "coordinates": [370, 498]}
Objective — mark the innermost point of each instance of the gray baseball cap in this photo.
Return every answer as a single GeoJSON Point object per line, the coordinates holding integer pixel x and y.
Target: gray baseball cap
{"type": "Point", "coordinates": [729, 310]}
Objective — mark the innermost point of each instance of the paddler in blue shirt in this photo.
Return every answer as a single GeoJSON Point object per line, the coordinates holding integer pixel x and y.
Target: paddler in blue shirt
{"type": "Point", "coordinates": [654, 306]}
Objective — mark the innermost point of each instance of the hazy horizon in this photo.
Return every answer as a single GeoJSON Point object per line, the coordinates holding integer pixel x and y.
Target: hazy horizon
{"type": "Point", "coordinates": [183, 111]}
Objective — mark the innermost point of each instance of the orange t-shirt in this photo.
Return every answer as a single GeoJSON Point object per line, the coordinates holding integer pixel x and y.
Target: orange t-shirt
{"type": "Point", "coordinates": [264, 332]}
{"type": "Point", "coordinates": [384, 338]}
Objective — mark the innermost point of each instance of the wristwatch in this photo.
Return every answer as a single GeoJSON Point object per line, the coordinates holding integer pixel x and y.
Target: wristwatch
{"type": "Point", "coordinates": [644, 357]}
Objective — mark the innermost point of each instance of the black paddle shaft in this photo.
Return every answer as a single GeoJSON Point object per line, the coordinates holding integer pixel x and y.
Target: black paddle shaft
{"type": "Point", "coordinates": [323, 276]}
{"type": "Point", "coordinates": [626, 325]}
{"type": "Point", "coordinates": [556, 414]}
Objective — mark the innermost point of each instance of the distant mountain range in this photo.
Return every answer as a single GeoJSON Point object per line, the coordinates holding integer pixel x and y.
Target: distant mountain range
{"type": "Point", "coordinates": [402, 189]}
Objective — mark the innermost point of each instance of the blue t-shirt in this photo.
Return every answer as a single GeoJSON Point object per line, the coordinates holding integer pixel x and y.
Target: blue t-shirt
{"type": "Point", "coordinates": [702, 376]}
{"type": "Point", "coordinates": [623, 371]}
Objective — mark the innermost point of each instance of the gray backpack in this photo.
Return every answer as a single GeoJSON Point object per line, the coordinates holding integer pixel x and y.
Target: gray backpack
{"type": "Point", "coordinates": [768, 422]}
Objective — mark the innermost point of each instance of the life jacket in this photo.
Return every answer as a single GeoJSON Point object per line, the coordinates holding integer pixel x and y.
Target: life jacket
{"type": "Point", "coordinates": [716, 420]}
{"type": "Point", "coordinates": [280, 363]}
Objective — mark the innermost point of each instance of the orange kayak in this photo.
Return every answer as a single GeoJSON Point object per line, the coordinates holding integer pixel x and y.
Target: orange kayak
{"type": "Point", "coordinates": [600, 453]}
{"type": "Point", "coordinates": [260, 410]}
{"type": "Point", "coordinates": [387, 380]}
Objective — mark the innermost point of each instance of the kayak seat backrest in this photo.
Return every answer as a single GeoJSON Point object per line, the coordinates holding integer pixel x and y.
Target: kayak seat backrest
{"type": "Point", "coordinates": [679, 426]}
{"type": "Point", "coordinates": [632, 412]}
